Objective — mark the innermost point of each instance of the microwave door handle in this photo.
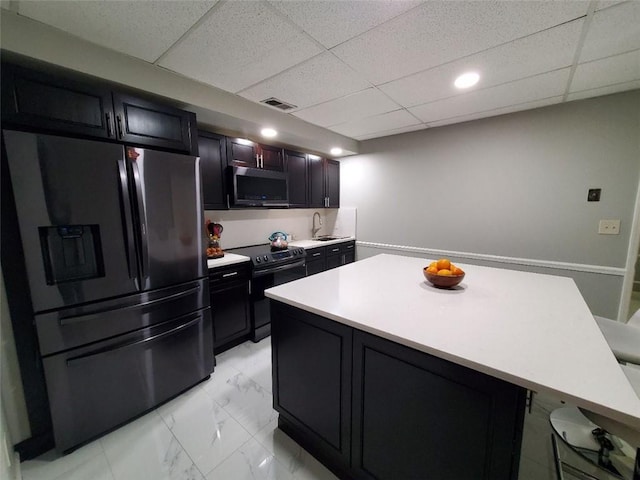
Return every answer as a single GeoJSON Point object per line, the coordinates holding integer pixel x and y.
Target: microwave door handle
{"type": "Point", "coordinates": [128, 223]}
{"type": "Point", "coordinates": [142, 216]}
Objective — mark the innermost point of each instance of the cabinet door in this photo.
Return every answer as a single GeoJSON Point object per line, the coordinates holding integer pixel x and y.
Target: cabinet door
{"type": "Point", "coordinates": [57, 103]}
{"type": "Point", "coordinates": [408, 396]}
{"type": "Point", "coordinates": [312, 377]}
{"type": "Point", "coordinates": [148, 123]}
{"type": "Point", "coordinates": [316, 182]}
{"type": "Point", "coordinates": [297, 168]}
{"type": "Point", "coordinates": [332, 185]}
{"type": "Point", "coordinates": [230, 311]}
{"type": "Point", "coordinates": [350, 252]}
{"type": "Point", "coordinates": [241, 152]}
{"type": "Point", "coordinates": [271, 158]}
{"type": "Point", "coordinates": [213, 160]}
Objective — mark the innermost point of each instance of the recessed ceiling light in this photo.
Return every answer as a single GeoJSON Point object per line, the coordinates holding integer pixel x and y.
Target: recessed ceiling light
{"type": "Point", "coordinates": [268, 132]}
{"type": "Point", "coordinates": [467, 80]}
{"type": "Point", "coordinates": [336, 151]}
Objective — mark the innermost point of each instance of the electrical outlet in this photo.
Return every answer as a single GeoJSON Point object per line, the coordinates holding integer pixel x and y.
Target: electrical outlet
{"type": "Point", "coordinates": [609, 227]}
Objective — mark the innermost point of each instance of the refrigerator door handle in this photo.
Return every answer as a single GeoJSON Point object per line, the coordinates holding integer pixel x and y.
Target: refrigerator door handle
{"type": "Point", "coordinates": [142, 220]}
{"type": "Point", "coordinates": [86, 316]}
{"type": "Point", "coordinates": [119, 346]}
{"type": "Point", "coordinates": [126, 211]}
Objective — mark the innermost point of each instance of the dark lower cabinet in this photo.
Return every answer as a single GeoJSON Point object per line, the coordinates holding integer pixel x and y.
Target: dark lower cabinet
{"type": "Point", "coordinates": [316, 260]}
{"type": "Point", "coordinates": [335, 255]}
{"type": "Point", "coordinates": [406, 414]}
{"type": "Point", "coordinates": [312, 380]}
{"type": "Point", "coordinates": [229, 293]}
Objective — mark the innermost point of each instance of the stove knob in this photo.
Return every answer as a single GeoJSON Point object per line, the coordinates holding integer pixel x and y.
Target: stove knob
{"type": "Point", "coordinates": [266, 259]}
{"type": "Point", "coordinates": [258, 259]}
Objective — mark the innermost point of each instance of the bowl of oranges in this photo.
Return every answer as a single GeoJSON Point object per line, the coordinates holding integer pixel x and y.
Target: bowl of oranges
{"type": "Point", "coordinates": [443, 274]}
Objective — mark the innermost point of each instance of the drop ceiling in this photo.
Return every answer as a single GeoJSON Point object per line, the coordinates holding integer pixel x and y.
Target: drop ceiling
{"type": "Point", "coordinates": [365, 68]}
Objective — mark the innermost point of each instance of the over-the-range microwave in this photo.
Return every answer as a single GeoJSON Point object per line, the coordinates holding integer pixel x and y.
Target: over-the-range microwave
{"type": "Point", "coordinates": [255, 187]}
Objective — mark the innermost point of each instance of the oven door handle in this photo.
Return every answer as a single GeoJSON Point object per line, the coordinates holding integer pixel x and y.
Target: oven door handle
{"type": "Point", "coordinates": [281, 268]}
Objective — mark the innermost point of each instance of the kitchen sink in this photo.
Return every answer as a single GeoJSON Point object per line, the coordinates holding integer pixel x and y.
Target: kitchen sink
{"type": "Point", "coordinates": [326, 238]}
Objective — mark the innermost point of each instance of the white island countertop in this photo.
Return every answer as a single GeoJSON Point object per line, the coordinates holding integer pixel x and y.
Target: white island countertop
{"type": "Point", "coordinates": [528, 329]}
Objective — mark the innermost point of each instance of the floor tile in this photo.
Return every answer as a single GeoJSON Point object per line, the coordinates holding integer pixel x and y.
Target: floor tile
{"type": "Point", "coordinates": [250, 462]}
{"type": "Point", "coordinates": [86, 463]}
{"type": "Point", "coordinates": [246, 401]}
{"type": "Point", "coordinates": [147, 450]}
{"type": "Point", "coordinates": [206, 432]}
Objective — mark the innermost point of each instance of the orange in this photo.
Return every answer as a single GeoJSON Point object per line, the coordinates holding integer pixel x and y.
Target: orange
{"type": "Point", "coordinates": [434, 265]}
{"type": "Point", "coordinates": [432, 269]}
{"type": "Point", "coordinates": [444, 263]}
{"type": "Point", "coordinates": [444, 272]}
{"type": "Point", "coordinates": [456, 270]}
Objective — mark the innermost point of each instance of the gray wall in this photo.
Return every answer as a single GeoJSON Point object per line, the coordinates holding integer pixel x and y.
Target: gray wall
{"type": "Point", "coordinates": [513, 186]}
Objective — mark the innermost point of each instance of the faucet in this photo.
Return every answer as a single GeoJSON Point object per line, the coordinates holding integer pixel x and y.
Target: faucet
{"type": "Point", "coordinates": [315, 230]}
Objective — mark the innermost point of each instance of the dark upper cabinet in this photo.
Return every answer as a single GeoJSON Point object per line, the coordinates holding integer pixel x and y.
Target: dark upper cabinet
{"type": "Point", "coordinates": [56, 103]}
{"type": "Point", "coordinates": [324, 183]}
{"type": "Point", "coordinates": [66, 102]}
{"type": "Point", "coordinates": [296, 165]}
{"type": "Point", "coordinates": [153, 124]}
{"type": "Point", "coordinates": [332, 183]}
{"type": "Point", "coordinates": [245, 153]}
{"type": "Point", "coordinates": [213, 160]}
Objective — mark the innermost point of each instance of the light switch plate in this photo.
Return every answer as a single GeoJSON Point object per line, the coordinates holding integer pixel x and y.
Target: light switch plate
{"type": "Point", "coordinates": [609, 227]}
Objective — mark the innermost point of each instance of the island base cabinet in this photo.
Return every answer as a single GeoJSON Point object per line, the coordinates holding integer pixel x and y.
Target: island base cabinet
{"type": "Point", "coordinates": [414, 413]}
{"type": "Point", "coordinates": [369, 408]}
{"type": "Point", "coordinates": [311, 379]}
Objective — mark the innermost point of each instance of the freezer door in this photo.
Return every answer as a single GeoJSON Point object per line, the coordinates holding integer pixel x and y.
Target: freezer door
{"type": "Point", "coordinates": [168, 207]}
{"type": "Point", "coordinates": [98, 387]}
{"type": "Point", "coordinates": [74, 327]}
{"type": "Point", "coordinates": [75, 218]}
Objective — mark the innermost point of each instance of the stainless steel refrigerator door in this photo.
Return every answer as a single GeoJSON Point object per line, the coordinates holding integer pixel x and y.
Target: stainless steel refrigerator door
{"type": "Point", "coordinates": [75, 218]}
{"type": "Point", "coordinates": [168, 201]}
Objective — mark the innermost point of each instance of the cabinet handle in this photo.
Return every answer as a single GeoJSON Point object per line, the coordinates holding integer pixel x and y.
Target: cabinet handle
{"type": "Point", "coordinates": [228, 207]}
{"type": "Point", "coordinates": [316, 254]}
{"type": "Point", "coordinates": [335, 250]}
{"type": "Point", "coordinates": [109, 129]}
{"type": "Point", "coordinates": [119, 122]}
{"type": "Point", "coordinates": [229, 274]}
{"type": "Point", "coordinates": [261, 161]}
{"type": "Point", "coordinates": [349, 246]}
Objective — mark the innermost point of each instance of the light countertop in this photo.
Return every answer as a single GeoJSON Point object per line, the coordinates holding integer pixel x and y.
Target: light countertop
{"type": "Point", "coordinates": [308, 243]}
{"type": "Point", "coordinates": [228, 259]}
{"type": "Point", "coordinates": [529, 329]}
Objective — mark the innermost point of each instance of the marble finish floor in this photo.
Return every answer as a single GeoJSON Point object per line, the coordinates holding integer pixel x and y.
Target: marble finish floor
{"type": "Point", "coordinates": [225, 429]}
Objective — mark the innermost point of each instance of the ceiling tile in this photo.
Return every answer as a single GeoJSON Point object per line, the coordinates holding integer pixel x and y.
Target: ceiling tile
{"type": "Point", "coordinates": [333, 22]}
{"type": "Point", "coordinates": [377, 123]}
{"type": "Point", "coordinates": [521, 91]}
{"type": "Point", "coordinates": [241, 44]}
{"type": "Point", "coordinates": [612, 31]}
{"type": "Point", "coordinates": [366, 103]}
{"type": "Point", "coordinates": [608, 3]}
{"type": "Point", "coordinates": [439, 32]}
{"type": "Point", "coordinates": [608, 90]}
{"type": "Point", "coordinates": [141, 29]}
{"type": "Point", "coordinates": [394, 131]}
{"type": "Point", "coordinates": [608, 71]}
{"type": "Point", "coordinates": [545, 51]}
{"type": "Point", "coordinates": [499, 111]}
{"type": "Point", "coordinates": [320, 79]}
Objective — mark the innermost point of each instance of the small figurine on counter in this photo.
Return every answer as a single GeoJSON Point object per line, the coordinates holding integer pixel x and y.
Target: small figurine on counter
{"type": "Point", "coordinates": [213, 248]}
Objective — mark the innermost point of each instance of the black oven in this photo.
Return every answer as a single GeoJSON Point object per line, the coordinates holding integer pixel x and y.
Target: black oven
{"type": "Point", "coordinates": [269, 269]}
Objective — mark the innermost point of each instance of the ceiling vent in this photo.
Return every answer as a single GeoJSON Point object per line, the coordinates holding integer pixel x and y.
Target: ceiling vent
{"type": "Point", "coordinates": [279, 104]}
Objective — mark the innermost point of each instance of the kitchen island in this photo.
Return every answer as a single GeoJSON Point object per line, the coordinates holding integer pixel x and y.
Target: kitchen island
{"type": "Point", "coordinates": [381, 375]}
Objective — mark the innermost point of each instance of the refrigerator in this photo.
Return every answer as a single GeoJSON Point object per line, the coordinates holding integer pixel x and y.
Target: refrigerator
{"type": "Point", "coordinates": [113, 239]}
